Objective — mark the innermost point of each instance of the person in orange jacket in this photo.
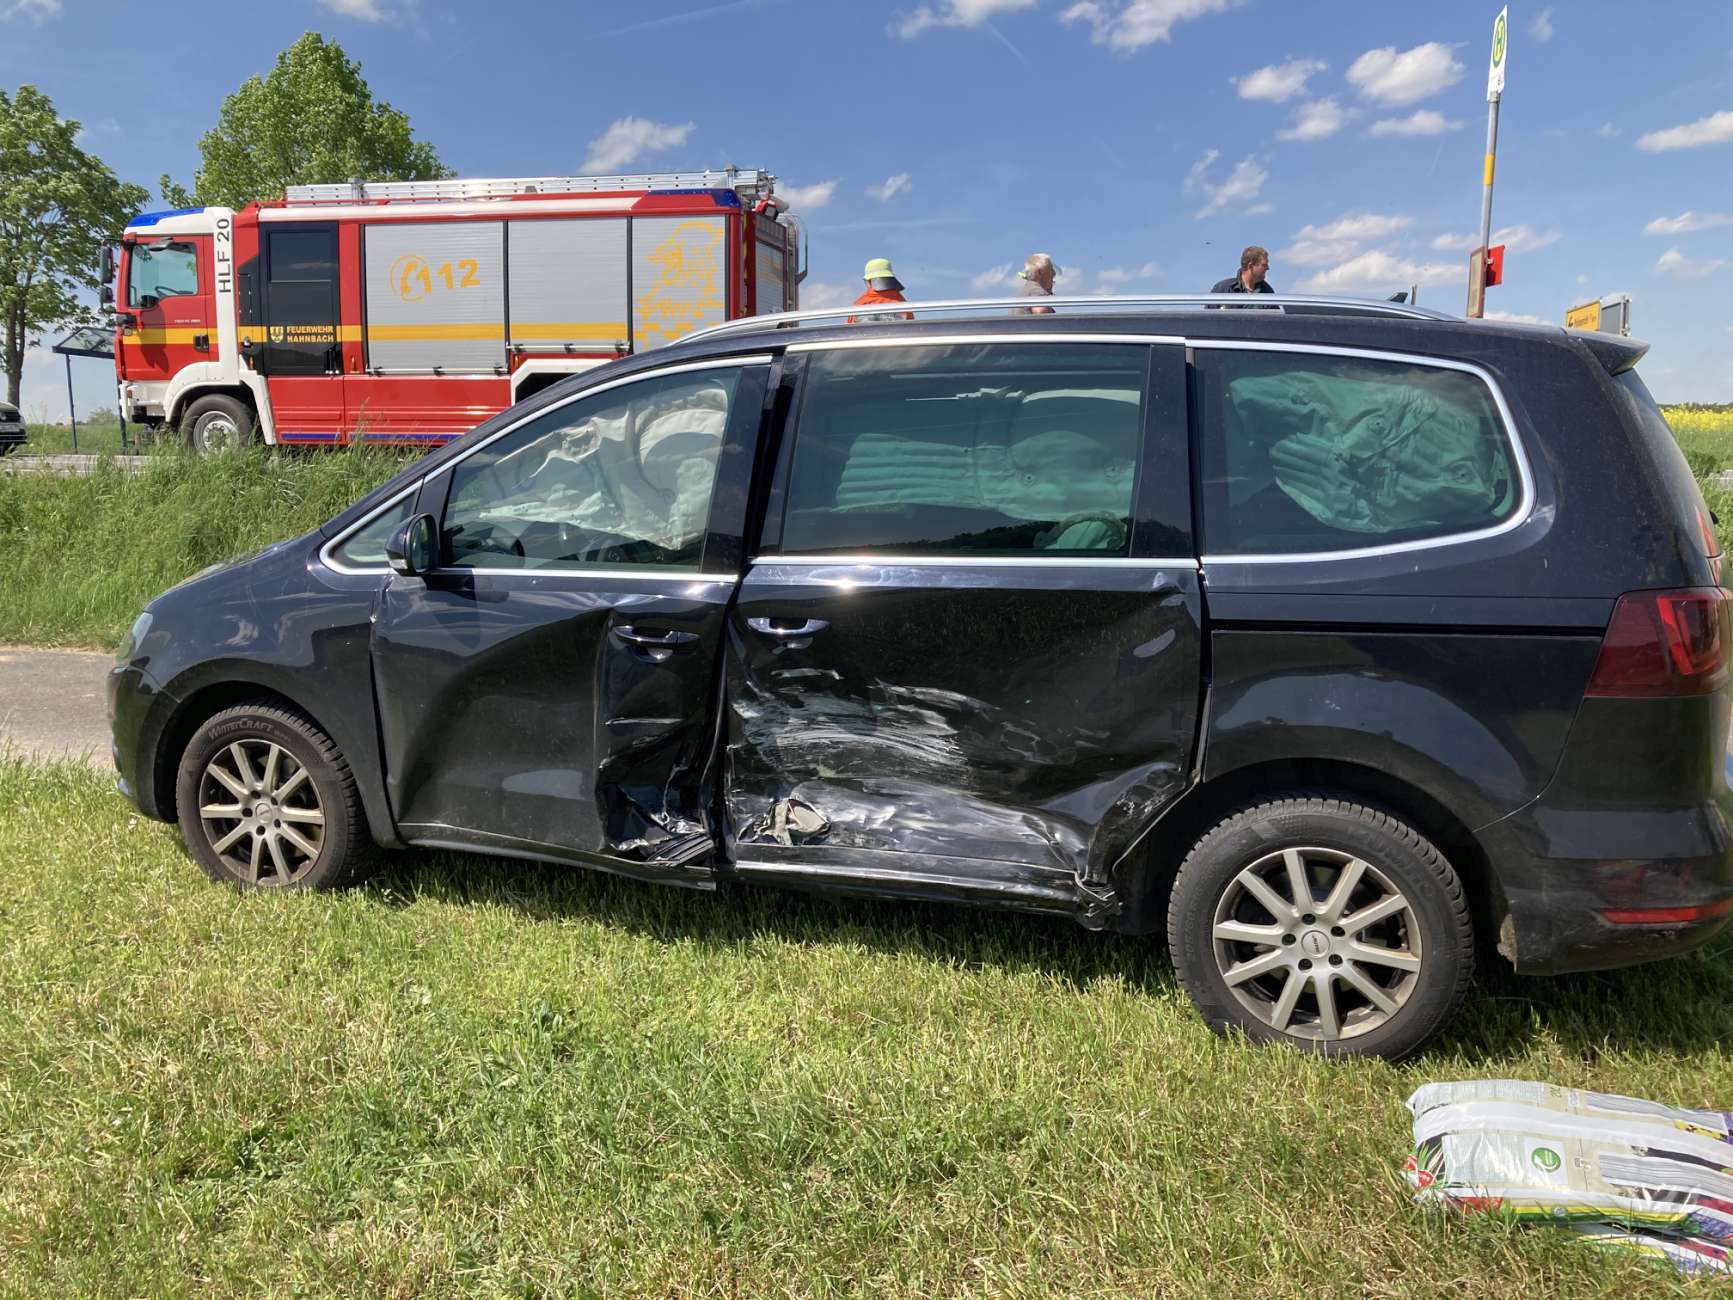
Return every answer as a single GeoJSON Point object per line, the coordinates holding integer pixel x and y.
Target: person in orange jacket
{"type": "Point", "coordinates": [882, 286]}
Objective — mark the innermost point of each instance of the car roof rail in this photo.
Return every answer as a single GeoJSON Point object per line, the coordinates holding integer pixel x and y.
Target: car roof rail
{"type": "Point", "coordinates": [1112, 304]}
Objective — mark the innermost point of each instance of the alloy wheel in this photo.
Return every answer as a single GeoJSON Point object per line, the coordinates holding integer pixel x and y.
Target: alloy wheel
{"type": "Point", "coordinates": [1317, 943]}
{"type": "Point", "coordinates": [260, 811]}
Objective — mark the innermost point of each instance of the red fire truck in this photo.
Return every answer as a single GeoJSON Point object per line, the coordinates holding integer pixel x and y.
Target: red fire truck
{"type": "Point", "coordinates": [409, 311]}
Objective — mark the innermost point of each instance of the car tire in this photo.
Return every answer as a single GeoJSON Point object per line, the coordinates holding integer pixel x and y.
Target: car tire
{"type": "Point", "coordinates": [265, 800]}
{"type": "Point", "coordinates": [217, 423]}
{"type": "Point", "coordinates": [1372, 961]}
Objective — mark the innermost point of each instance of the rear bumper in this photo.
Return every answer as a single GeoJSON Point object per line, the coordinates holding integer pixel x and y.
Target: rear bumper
{"type": "Point", "coordinates": [1628, 855]}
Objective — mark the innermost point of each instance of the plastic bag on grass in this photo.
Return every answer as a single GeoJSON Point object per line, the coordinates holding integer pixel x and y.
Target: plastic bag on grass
{"type": "Point", "coordinates": [1687, 1254]}
{"type": "Point", "coordinates": [1557, 1155]}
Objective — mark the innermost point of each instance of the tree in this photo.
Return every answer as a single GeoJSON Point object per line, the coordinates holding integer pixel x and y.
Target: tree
{"type": "Point", "coordinates": [312, 120]}
{"type": "Point", "coordinates": [59, 208]}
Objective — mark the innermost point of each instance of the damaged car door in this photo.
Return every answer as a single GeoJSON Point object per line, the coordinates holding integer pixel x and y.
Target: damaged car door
{"type": "Point", "coordinates": [965, 662]}
{"type": "Point", "coordinates": [547, 690]}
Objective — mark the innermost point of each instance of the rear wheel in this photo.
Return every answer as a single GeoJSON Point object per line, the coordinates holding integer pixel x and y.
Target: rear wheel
{"type": "Point", "coordinates": [265, 800]}
{"type": "Point", "coordinates": [1328, 925]}
{"type": "Point", "coordinates": [217, 423]}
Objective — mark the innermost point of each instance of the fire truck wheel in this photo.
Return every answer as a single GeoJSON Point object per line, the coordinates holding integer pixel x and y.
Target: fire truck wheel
{"type": "Point", "coordinates": [217, 423]}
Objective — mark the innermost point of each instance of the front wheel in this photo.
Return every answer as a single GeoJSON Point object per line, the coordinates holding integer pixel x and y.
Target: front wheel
{"type": "Point", "coordinates": [266, 800]}
{"type": "Point", "coordinates": [1324, 924]}
{"type": "Point", "coordinates": [217, 423]}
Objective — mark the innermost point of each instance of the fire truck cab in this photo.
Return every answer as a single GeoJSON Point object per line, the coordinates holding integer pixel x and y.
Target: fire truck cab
{"type": "Point", "coordinates": [409, 311]}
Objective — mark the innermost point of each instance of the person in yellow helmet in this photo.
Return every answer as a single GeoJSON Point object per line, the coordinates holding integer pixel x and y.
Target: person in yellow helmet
{"type": "Point", "coordinates": [882, 285]}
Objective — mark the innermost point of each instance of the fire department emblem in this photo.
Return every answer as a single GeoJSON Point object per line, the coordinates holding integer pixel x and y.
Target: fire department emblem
{"type": "Point", "coordinates": [275, 333]}
{"type": "Point", "coordinates": [688, 285]}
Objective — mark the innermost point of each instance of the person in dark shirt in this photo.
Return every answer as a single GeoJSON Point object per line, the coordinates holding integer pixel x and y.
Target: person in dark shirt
{"type": "Point", "coordinates": [1254, 266]}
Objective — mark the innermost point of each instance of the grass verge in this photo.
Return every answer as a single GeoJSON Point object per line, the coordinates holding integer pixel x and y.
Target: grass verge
{"type": "Point", "coordinates": [475, 1077]}
{"type": "Point", "coordinates": [84, 554]}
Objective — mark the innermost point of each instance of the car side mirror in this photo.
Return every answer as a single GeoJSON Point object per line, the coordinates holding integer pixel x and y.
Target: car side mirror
{"type": "Point", "coordinates": [105, 295]}
{"type": "Point", "coordinates": [414, 548]}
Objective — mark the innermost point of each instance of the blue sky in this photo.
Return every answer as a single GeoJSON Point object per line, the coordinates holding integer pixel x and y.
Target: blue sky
{"type": "Point", "coordinates": [1140, 142]}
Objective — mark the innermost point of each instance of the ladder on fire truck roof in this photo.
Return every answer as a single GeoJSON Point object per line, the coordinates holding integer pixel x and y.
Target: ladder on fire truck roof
{"type": "Point", "coordinates": [751, 186]}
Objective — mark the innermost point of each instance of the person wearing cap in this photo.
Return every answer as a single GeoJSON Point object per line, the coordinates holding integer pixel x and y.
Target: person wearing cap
{"type": "Point", "coordinates": [882, 286]}
{"type": "Point", "coordinates": [1037, 276]}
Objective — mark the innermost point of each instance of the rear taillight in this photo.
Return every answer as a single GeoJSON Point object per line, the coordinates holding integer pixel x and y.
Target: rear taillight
{"type": "Point", "coordinates": [1664, 643]}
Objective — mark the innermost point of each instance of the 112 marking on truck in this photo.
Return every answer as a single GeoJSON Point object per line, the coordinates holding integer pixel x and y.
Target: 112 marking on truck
{"type": "Point", "coordinates": [410, 311]}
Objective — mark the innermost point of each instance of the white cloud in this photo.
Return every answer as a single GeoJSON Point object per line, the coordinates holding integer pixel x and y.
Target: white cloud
{"type": "Point", "coordinates": [37, 11]}
{"type": "Point", "coordinates": [1241, 186]}
{"type": "Point", "coordinates": [953, 13]}
{"type": "Point", "coordinates": [1199, 169]}
{"type": "Point", "coordinates": [1342, 239]}
{"type": "Point", "coordinates": [1541, 29]}
{"type": "Point", "coordinates": [998, 277]}
{"type": "Point", "coordinates": [1607, 131]}
{"type": "Point", "coordinates": [1259, 209]}
{"type": "Point", "coordinates": [892, 186]}
{"type": "Point", "coordinates": [1112, 277]}
{"type": "Point", "coordinates": [1424, 121]}
{"type": "Point", "coordinates": [806, 198]}
{"type": "Point", "coordinates": [1687, 222]}
{"type": "Point", "coordinates": [631, 138]}
{"type": "Point", "coordinates": [1675, 264]}
{"type": "Point", "coordinates": [1717, 128]}
{"type": "Point", "coordinates": [365, 11]}
{"type": "Point", "coordinates": [1516, 239]}
{"type": "Point", "coordinates": [816, 297]}
{"type": "Point", "coordinates": [1318, 120]}
{"type": "Point", "coordinates": [1517, 318]}
{"type": "Point", "coordinates": [1128, 25]}
{"type": "Point", "coordinates": [1395, 78]}
{"type": "Point", "coordinates": [1377, 271]}
{"type": "Point", "coordinates": [1279, 82]}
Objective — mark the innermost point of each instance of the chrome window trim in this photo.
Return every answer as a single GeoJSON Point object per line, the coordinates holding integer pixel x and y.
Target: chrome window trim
{"type": "Point", "coordinates": [659, 575]}
{"type": "Point", "coordinates": [863, 558]}
{"type": "Point", "coordinates": [719, 363]}
{"type": "Point", "coordinates": [1519, 517]}
{"type": "Point", "coordinates": [326, 556]}
{"type": "Point", "coordinates": [950, 340]}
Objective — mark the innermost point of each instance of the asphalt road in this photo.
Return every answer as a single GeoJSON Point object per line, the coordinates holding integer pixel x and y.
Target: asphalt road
{"type": "Point", "coordinates": [52, 704]}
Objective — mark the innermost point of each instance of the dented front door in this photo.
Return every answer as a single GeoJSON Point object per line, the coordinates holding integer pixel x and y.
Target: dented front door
{"type": "Point", "coordinates": [548, 691]}
{"type": "Point", "coordinates": [969, 650]}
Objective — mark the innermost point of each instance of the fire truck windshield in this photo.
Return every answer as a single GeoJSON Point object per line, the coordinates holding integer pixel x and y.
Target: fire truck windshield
{"type": "Point", "coordinates": [159, 272]}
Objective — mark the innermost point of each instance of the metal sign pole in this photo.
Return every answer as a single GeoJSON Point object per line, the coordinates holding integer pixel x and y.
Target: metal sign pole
{"type": "Point", "coordinates": [1494, 93]}
{"type": "Point", "coordinates": [71, 411]}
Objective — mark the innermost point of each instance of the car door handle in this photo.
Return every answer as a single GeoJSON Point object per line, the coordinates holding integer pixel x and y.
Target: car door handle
{"type": "Point", "coordinates": [784, 629]}
{"type": "Point", "coordinates": [655, 647]}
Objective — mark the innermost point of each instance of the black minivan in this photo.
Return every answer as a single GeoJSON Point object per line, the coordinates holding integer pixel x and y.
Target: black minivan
{"type": "Point", "coordinates": [1328, 636]}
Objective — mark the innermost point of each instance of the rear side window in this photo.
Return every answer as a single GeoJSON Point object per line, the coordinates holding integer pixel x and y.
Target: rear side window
{"type": "Point", "coordinates": [1307, 452]}
{"type": "Point", "coordinates": [980, 449]}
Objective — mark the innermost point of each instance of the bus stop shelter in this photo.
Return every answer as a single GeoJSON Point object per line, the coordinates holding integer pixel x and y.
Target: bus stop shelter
{"type": "Point", "coordinates": [87, 341]}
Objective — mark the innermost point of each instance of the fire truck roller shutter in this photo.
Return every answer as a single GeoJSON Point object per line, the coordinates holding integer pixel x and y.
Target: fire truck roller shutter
{"type": "Point", "coordinates": [436, 296]}
{"type": "Point", "coordinates": [568, 284]}
{"type": "Point", "coordinates": [679, 277]}
{"type": "Point", "coordinates": [772, 287]}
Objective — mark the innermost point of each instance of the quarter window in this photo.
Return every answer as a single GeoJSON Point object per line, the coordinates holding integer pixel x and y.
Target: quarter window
{"type": "Point", "coordinates": [365, 548]}
{"type": "Point", "coordinates": [619, 479]}
{"type": "Point", "coordinates": [986, 450]}
{"type": "Point", "coordinates": [1306, 452]}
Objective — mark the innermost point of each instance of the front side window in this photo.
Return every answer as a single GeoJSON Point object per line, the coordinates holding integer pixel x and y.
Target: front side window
{"type": "Point", "coordinates": [158, 273]}
{"type": "Point", "coordinates": [979, 449]}
{"type": "Point", "coordinates": [1306, 452]}
{"type": "Point", "coordinates": [619, 479]}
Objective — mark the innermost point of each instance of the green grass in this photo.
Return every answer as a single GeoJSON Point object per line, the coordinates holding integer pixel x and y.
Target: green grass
{"type": "Point", "coordinates": [481, 1078]}
{"type": "Point", "coordinates": [100, 438]}
{"type": "Point", "coordinates": [83, 555]}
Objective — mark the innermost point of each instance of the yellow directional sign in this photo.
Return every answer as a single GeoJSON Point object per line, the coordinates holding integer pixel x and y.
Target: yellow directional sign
{"type": "Point", "coordinates": [1585, 317]}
